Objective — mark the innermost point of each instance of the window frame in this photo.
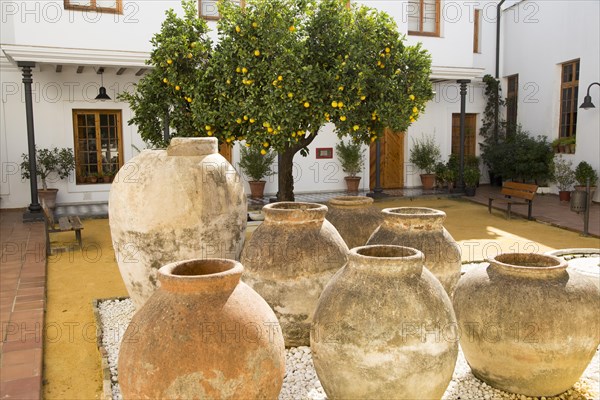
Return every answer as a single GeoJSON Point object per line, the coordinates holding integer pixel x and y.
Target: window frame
{"type": "Point", "coordinates": [574, 85]}
{"type": "Point", "coordinates": [420, 32]}
{"type": "Point", "coordinates": [214, 17]}
{"type": "Point", "coordinates": [79, 177]}
{"type": "Point", "coordinates": [118, 9]}
{"type": "Point", "coordinates": [512, 107]}
{"type": "Point", "coordinates": [477, 31]}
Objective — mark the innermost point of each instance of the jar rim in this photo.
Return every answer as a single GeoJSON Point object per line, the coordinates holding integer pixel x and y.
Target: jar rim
{"type": "Point", "coordinates": [528, 263]}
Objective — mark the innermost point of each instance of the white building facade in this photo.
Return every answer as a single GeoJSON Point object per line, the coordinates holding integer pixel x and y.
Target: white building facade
{"type": "Point", "coordinates": [68, 41]}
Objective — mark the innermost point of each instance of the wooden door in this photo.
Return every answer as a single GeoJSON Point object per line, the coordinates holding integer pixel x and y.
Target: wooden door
{"type": "Point", "coordinates": [225, 151]}
{"type": "Point", "coordinates": [392, 161]}
{"type": "Point", "coordinates": [470, 133]}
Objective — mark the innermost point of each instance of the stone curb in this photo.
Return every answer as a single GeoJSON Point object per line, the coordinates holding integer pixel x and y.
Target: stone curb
{"type": "Point", "coordinates": [106, 379]}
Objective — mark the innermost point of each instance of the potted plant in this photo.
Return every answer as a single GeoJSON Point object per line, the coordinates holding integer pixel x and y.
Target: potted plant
{"type": "Point", "coordinates": [351, 158]}
{"type": "Point", "coordinates": [582, 173]}
{"type": "Point", "coordinates": [256, 164]}
{"type": "Point", "coordinates": [425, 154]}
{"type": "Point", "coordinates": [555, 143]}
{"type": "Point", "coordinates": [441, 172]}
{"type": "Point", "coordinates": [49, 161]}
{"type": "Point", "coordinates": [564, 176]}
{"type": "Point", "coordinates": [471, 177]}
{"type": "Point", "coordinates": [92, 177]}
{"type": "Point", "coordinates": [570, 144]}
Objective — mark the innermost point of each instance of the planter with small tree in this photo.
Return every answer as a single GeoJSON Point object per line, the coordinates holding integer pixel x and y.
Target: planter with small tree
{"type": "Point", "coordinates": [584, 171]}
{"type": "Point", "coordinates": [471, 177]}
{"type": "Point", "coordinates": [425, 154]}
{"type": "Point", "coordinates": [49, 161]}
{"type": "Point", "coordinates": [351, 158]}
{"type": "Point", "coordinates": [256, 164]}
{"type": "Point", "coordinates": [564, 176]}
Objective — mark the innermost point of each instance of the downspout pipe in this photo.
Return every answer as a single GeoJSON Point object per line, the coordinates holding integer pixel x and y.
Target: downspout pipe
{"type": "Point", "coordinates": [498, 16]}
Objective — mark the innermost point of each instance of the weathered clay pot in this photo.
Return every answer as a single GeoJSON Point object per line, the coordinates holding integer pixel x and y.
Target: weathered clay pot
{"type": "Point", "coordinates": [384, 328]}
{"type": "Point", "coordinates": [352, 183]}
{"type": "Point", "coordinates": [354, 217]}
{"type": "Point", "coordinates": [583, 263]}
{"type": "Point", "coordinates": [528, 324]}
{"type": "Point", "coordinates": [202, 334]}
{"type": "Point", "coordinates": [257, 189]}
{"type": "Point", "coordinates": [289, 259]}
{"type": "Point", "coordinates": [422, 228]}
{"type": "Point", "coordinates": [176, 204]}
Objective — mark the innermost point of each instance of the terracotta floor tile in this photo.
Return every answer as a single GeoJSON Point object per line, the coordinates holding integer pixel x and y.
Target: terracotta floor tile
{"type": "Point", "coordinates": [28, 388]}
{"type": "Point", "coordinates": [30, 305]}
{"type": "Point", "coordinates": [31, 279]}
{"type": "Point", "coordinates": [27, 356]}
{"type": "Point", "coordinates": [28, 285]}
{"type": "Point", "coordinates": [27, 314]}
{"type": "Point", "coordinates": [29, 342]}
{"type": "Point", "coordinates": [31, 291]}
{"type": "Point", "coordinates": [31, 297]}
{"type": "Point", "coordinates": [20, 371]}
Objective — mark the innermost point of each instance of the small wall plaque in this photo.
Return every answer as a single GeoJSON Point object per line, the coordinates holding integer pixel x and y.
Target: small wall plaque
{"type": "Point", "coordinates": [324, 152]}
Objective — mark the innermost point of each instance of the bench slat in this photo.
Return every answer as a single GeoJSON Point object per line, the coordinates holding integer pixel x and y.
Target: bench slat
{"type": "Point", "coordinates": [76, 222]}
{"type": "Point", "coordinates": [528, 187]}
{"type": "Point", "coordinates": [518, 193]}
{"type": "Point", "coordinates": [64, 224]}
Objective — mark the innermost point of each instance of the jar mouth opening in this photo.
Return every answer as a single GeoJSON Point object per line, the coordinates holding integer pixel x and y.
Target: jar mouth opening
{"type": "Point", "coordinates": [350, 200]}
{"type": "Point", "coordinates": [529, 261]}
{"type": "Point", "coordinates": [210, 267]}
{"type": "Point", "coordinates": [387, 252]}
{"type": "Point", "coordinates": [294, 206]}
{"type": "Point", "coordinates": [414, 211]}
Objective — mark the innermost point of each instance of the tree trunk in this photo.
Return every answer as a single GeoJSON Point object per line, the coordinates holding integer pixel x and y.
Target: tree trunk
{"type": "Point", "coordinates": [285, 178]}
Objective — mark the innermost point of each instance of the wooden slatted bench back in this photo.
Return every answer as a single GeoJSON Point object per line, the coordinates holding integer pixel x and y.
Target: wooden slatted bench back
{"type": "Point", "coordinates": [519, 190]}
{"type": "Point", "coordinates": [65, 224]}
{"type": "Point", "coordinates": [517, 194]}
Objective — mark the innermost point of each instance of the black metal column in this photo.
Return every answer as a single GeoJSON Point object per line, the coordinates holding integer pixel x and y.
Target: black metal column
{"type": "Point", "coordinates": [463, 97]}
{"type": "Point", "coordinates": [377, 190]}
{"type": "Point", "coordinates": [34, 207]}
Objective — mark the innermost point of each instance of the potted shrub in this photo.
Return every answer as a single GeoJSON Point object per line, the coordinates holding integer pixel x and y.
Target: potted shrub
{"type": "Point", "coordinates": [425, 154]}
{"type": "Point", "coordinates": [570, 144]}
{"type": "Point", "coordinates": [49, 161]}
{"type": "Point", "coordinates": [471, 176]}
{"type": "Point", "coordinates": [564, 176]}
{"type": "Point", "coordinates": [441, 173]}
{"type": "Point", "coordinates": [92, 177]}
{"type": "Point", "coordinates": [351, 158]}
{"type": "Point", "coordinates": [256, 164]}
{"type": "Point", "coordinates": [555, 143]}
{"type": "Point", "coordinates": [582, 173]}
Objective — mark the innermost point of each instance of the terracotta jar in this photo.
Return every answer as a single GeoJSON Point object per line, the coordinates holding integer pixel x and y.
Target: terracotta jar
{"type": "Point", "coordinates": [354, 217]}
{"type": "Point", "coordinates": [176, 204]}
{"type": "Point", "coordinates": [384, 328]}
{"type": "Point", "coordinates": [289, 259]}
{"type": "Point", "coordinates": [528, 324]}
{"type": "Point", "coordinates": [422, 228]}
{"type": "Point", "coordinates": [202, 334]}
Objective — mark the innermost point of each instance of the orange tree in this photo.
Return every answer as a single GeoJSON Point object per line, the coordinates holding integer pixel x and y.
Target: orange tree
{"type": "Point", "coordinates": [180, 53]}
{"type": "Point", "coordinates": [282, 69]}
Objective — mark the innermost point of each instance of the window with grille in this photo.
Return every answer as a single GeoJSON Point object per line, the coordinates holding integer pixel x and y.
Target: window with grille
{"type": "Point", "coordinates": [111, 6]}
{"type": "Point", "coordinates": [569, 90]}
{"type": "Point", "coordinates": [424, 17]}
{"type": "Point", "coordinates": [98, 144]}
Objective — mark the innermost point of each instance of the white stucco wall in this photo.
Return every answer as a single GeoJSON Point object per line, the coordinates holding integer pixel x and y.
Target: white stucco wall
{"type": "Point", "coordinates": [46, 23]}
{"type": "Point", "coordinates": [538, 38]}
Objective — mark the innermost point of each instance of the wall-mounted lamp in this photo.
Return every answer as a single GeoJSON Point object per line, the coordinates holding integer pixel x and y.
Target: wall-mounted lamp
{"type": "Point", "coordinates": [587, 100]}
{"type": "Point", "coordinates": [102, 91]}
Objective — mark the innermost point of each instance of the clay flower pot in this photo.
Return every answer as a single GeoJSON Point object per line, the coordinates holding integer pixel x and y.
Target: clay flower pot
{"type": "Point", "coordinates": [202, 334]}
{"type": "Point", "coordinates": [428, 181]}
{"type": "Point", "coordinates": [257, 189]}
{"type": "Point", "coordinates": [384, 328]}
{"type": "Point", "coordinates": [176, 204]}
{"type": "Point", "coordinates": [352, 183]}
{"type": "Point", "coordinates": [422, 228]}
{"type": "Point", "coordinates": [564, 195]}
{"type": "Point", "coordinates": [354, 217]}
{"type": "Point", "coordinates": [289, 259]}
{"type": "Point", "coordinates": [528, 324]}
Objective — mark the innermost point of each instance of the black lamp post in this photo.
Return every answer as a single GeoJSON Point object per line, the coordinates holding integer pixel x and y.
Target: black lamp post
{"type": "Point", "coordinates": [102, 92]}
{"type": "Point", "coordinates": [587, 100]}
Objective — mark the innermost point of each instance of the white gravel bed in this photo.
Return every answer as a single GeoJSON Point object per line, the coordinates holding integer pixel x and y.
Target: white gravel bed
{"type": "Point", "coordinates": [301, 381]}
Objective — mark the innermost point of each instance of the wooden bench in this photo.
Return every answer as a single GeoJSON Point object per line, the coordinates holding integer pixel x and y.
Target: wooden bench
{"type": "Point", "coordinates": [65, 224]}
{"type": "Point", "coordinates": [515, 193]}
